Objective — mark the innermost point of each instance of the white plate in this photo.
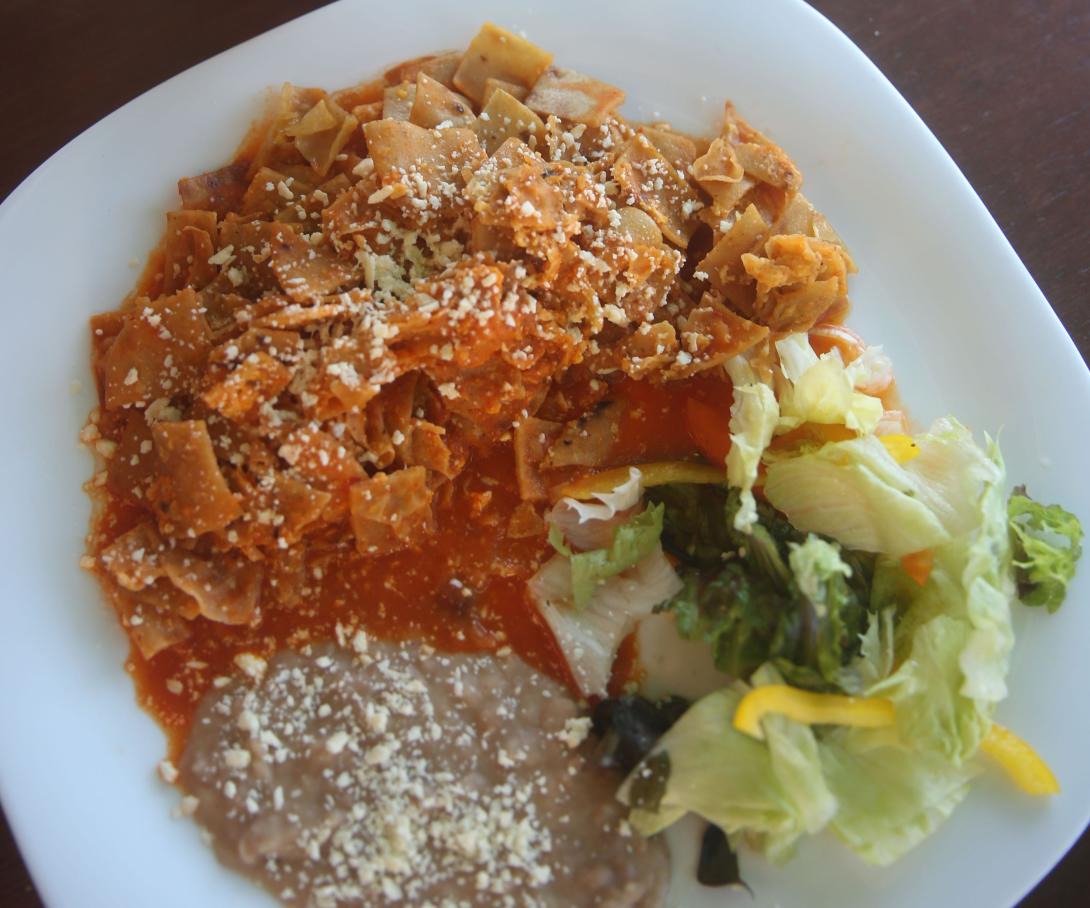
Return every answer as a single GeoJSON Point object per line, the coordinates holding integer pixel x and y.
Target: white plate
{"type": "Point", "coordinates": [939, 286]}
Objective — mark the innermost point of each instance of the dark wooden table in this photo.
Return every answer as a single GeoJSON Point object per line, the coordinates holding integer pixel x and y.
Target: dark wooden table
{"type": "Point", "coordinates": [1005, 84]}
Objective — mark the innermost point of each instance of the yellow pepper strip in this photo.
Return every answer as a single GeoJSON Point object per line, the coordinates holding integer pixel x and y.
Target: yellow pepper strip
{"type": "Point", "coordinates": [1020, 761]}
{"type": "Point", "coordinates": [901, 447]}
{"type": "Point", "coordinates": [651, 474]}
{"type": "Point", "coordinates": [810, 708]}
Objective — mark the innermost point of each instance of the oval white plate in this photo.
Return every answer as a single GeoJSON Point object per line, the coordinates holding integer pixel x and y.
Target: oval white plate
{"type": "Point", "coordinates": [939, 286]}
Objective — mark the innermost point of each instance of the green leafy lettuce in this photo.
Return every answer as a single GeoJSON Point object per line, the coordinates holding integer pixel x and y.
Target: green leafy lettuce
{"type": "Point", "coordinates": [1047, 544]}
{"type": "Point", "coordinates": [770, 594]}
{"type": "Point", "coordinates": [939, 651]}
{"type": "Point", "coordinates": [632, 542]}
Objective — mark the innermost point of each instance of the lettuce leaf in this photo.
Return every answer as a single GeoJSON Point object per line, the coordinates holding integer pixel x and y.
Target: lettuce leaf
{"type": "Point", "coordinates": [632, 542]}
{"type": "Point", "coordinates": [954, 636]}
{"type": "Point", "coordinates": [754, 414]}
{"type": "Point", "coordinates": [1047, 544]}
{"type": "Point", "coordinates": [822, 577]}
{"type": "Point", "coordinates": [889, 798]}
{"type": "Point", "coordinates": [771, 791]}
{"type": "Point", "coordinates": [592, 599]}
{"type": "Point", "coordinates": [855, 492]}
{"type": "Point", "coordinates": [773, 595]}
{"type": "Point", "coordinates": [822, 389]}
{"type": "Point", "coordinates": [589, 638]}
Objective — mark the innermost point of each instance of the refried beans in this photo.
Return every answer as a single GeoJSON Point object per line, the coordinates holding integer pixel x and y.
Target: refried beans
{"type": "Point", "coordinates": [381, 774]}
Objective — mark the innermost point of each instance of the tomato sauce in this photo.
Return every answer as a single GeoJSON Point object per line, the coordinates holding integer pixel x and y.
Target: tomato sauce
{"type": "Point", "coordinates": [465, 590]}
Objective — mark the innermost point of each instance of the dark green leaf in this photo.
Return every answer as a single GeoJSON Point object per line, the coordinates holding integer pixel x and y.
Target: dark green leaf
{"type": "Point", "coordinates": [740, 596]}
{"type": "Point", "coordinates": [649, 783]}
{"type": "Point", "coordinates": [629, 726]}
{"type": "Point", "coordinates": [718, 865]}
{"type": "Point", "coordinates": [693, 528]}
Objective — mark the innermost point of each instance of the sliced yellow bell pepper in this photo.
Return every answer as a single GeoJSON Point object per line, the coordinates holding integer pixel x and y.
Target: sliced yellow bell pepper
{"type": "Point", "coordinates": [901, 447]}
{"type": "Point", "coordinates": [810, 708]}
{"type": "Point", "coordinates": [651, 474]}
{"type": "Point", "coordinates": [1020, 761]}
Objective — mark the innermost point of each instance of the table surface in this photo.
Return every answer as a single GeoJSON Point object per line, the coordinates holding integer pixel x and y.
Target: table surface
{"type": "Point", "coordinates": [1005, 92]}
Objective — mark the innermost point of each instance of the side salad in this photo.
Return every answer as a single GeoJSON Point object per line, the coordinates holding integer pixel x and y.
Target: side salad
{"type": "Point", "coordinates": [852, 583]}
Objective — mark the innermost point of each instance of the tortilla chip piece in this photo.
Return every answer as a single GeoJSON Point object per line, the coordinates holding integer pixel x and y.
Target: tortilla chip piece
{"type": "Point", "coordinates": [570, 95]}
{"type": "Point", "coordinates": [424, 446]}
{"type": "Point", "coordinates": [719, 164]}
{"type": "Point", "coordinates": [800, 216]}
{"type": "Point", "coordinates": [134, 465]}
{"type": "Point", "coordinates": [322, 133]}
{"type": "Point", "coordinates": [152, 626]}
{"type": "Point", "coordinates": [440, 67]}
{"type": "Point", "coordinates": [515, 90]}
{"type": "Point", "coordinates": [257, 379]}
{"type": "Point", "coordinates": [533, 438]}
{"type": "Point", "coordinates": [160, 351]}
{"type": "Point", "coordinates": [320, 459]}
{"type": "Point", "coordinates": [187, 247]}
{"type": "Point", "coordinates": [654, 184]}
{"type": "Point", "coordinates": [435, 104]}
{"type": "Point", "coordinates": [299, 506]}
{"type": "Point", "coordinates": [760, 157]}
{"type": "Point", "coordinates": [798, 279]}
{"type": "Point", "coordinates": [678, 148]}
{"type": "Point", "coordinates": [391, 511]}
{"type": "Point", "coordinates": [505, 117]}
{"type": "Point", "coordinates": [191, 492]}
{"type": "Point", "coordinates": [261, 196]}
{"type": "Point", "coordinates": [398, 148]}
{"type": "Point", "coordinates": [305, 272]}
{"type": "Point", "coordinates": [648, 349]}
{"type": "Point", "coordinates": [723, 263]}
{"type": "Point", "coordinates": [496, 53]}
{"type": "Point", "coordinates": [586, 441]}
{"type": "Point", "coordinates": [277, 147]}
{"type": "Point", "coordinates": [362, 93]}
{"type": "Point", "coordinates": [217, 190]}
{"type": "Point", "coordinates": [226, 588]}
{"type": "Point", "coordinates": [710, 335]}
{"type": "Point", "coordinates": [398, 100]}
{"type": "Point", "coordinates": [389, 415]}
{"type": "Point", "coordinates": [134, 559]}
{"type": "Point", "coordinates": [250, 272]}
{"type": "Point", "coordinates": [365, 113]}
{"type": "Point", "coordinates": [298, 315]}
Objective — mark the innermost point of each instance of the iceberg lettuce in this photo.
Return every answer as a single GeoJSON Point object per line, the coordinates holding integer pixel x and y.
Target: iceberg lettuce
{"type": "Point", "coordinates": [754, 414]}
{"type": "Point", "coordinates": [855, 492]}
{"type": "Point", "coordinates": [939, 651]}
{"type": "Point", "coordinates": [821, 389]}
{"type": "Point", "coordinates": [770, 791]}
{"type": "Point", "coordinates": [889, 797]}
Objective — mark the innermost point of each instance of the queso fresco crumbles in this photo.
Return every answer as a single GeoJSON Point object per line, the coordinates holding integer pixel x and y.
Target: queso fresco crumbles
{"type": "Point", "coordinates": [450, 412]}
